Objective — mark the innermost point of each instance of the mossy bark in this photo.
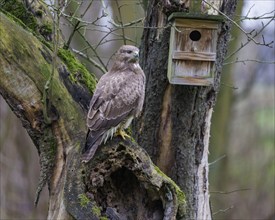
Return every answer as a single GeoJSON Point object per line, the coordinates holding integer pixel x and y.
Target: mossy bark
{"type": "Point", "coordinates": [26, 66]}
{"type": "Point", "coordinates": [121, 182]}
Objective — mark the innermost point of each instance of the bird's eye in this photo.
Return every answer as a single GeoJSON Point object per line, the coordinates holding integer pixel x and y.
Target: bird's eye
{"type": "Point", "coordinates": [128, 51]}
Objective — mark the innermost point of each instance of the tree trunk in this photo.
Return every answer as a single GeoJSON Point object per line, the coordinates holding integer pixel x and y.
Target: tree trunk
{"type": "Point", "coordinates": [174, 128]}
{"type": "Point", "coordinates": [120, 182]}
{"type": "Point", "coordinates": [221, 123]}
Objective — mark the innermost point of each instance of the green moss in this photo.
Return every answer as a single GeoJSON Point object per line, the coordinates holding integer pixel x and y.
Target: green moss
{"type": "Point", "coordinates": [160, 172]}
{"type": "Point", "coordinates": [45, 71]}
{"type": "Point", "coordinates": [84, 200]}
{"type": "Point", "coordinates": [18, 10]}
{"type": "Point", "coordinates": [78, 70]}
{"type": "Point", "coordinates": [103, 218]}
{"type": "Point", "coordinates": [46, 29]}
{"type": "Point", "coordinates": [96, 210]}
{"type": "Point", "coordinates": [181, 199]}
{"type": "Point", "coordinates": [180, 194]}
{"type": "Point", "coordinates": [39, 13]}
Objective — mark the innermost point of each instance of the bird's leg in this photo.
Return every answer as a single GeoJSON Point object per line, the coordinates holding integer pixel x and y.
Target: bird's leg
{"type": "Point", "coordinates": [122, 133]}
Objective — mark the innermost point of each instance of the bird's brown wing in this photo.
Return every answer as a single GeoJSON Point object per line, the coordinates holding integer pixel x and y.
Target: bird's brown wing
{"type": "Point", "coordinates": [115, 99]}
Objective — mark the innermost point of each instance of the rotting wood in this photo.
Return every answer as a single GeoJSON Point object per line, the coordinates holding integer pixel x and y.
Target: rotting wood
{"type": "Point", "coordinates": [122, 180]}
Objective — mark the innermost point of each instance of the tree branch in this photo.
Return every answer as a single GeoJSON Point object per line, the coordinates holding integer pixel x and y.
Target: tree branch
{"type": "Point", "coordinates": [26, 67]}
{"type": "Point", "coordinates": [105, 184]}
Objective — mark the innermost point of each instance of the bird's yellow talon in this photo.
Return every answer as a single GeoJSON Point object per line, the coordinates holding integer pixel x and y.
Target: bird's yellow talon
{"type": "Point", "coordinates": [123, 134]}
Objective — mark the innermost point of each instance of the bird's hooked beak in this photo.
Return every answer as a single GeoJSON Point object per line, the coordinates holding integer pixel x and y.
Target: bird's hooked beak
{"type": "Point", "coordinates": [136, 55]}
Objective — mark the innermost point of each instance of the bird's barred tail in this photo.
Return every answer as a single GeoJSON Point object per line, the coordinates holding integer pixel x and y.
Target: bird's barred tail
{"type": "Point", "coordinates": [92, 143]}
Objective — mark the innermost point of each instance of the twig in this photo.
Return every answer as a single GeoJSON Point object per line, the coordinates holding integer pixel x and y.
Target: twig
{"type": "Point", "coordinates": [229, 86]}
{"type": "Point", "coordinates": [256, 34]}
{"type": "Point", "coordinates": [103, 41]}
{"type": "Point", "coordinates": [249, 10]}
{"type": "Point", "coordinates": [249, 60]}
{"type": "Point", "coordinates": [215, 161]}
{"type": "Point", "coordinates": [47, 92]}
{"type": "Point", "coordinates": [77, 25]}
{"type": "Point", "coordinates": [127, 24]}
{"type": "Point", "coordinates": [223, 210]}
{"type": "Point", "coordinates": [245, 32]}
{"type": "Point", "coordinates": [103, 66]}
{"type": "Point", "coordinates": [229, 192]}
{"type": "Point", "coordinates": [111, 58]}
{"type": "Point", "coordinates": [81, 20]}
{"type": "Point", "coordinates": [246, 17]}
{"type": "Point", "coordinates": [121, 23]}
{"type": "Point", "coordinates": [96, 64]}
{"type": "Point", "coordinates": [112, 31]}
{"type": "Point", "coordinates": [117, 39]}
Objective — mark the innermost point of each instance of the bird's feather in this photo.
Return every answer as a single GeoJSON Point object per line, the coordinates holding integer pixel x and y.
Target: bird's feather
{"type": "Point", "coordinates": [119, 95]}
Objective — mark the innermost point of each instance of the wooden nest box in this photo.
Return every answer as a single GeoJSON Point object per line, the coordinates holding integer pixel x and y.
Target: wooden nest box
{"type": "Point", "coordinates": [192, 50]}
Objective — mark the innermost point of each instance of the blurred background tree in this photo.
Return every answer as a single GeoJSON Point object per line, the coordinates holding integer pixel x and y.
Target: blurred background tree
{"type": "Point", "coordinates": [242, 136]}
{"type": "Point", "coordinates": [242, 143]}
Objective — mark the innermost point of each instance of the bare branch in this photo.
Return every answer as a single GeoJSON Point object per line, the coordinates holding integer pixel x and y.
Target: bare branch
{"type": "Point", "coordinates": [92, 61]}
{"type": "Point", "coordinates": [223, 210]}
{"type": "Point", "coordinates": [229, 192]}
{"type": "Point", "coordinates": [121, 23]}
{"type": "Point", "coordinates": [249, 40]}
{"type": "Point", "coordinates": [229, 86]}
{"type": "Point", "coordinates": [262, 17]}
{"type": "Point", "coordinates": [47, 92]}
{"type": "Point", "coordinates": [248, 34]}
{"type": "Point", "coordinates": [70, 17]}
{"type": "Point", "coordinates": [249, 60]}
{"type": "Point", "coordinates": [217, 160]}
{"type": "Point", "coordinates": [127, 24]}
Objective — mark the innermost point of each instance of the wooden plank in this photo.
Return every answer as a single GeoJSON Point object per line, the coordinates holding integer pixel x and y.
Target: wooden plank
{"type": "Point", "coordinates": [192, 23]}
{"type": "Point", "coordinates": [200, 56]}
{"type": "Point", "coordinates": [197, 16]}
{"type": "Point", "coordinates": [172, 45]}
{"type": "Point", "coordinates": [195, 69]}
{"type": "Point", "coordinates": [191, 81]}
{"type": "Point", "coordinates": [190, 72]}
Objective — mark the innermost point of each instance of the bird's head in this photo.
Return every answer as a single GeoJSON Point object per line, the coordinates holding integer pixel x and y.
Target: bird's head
{"type": "Point", "coordinates": [128, 54]}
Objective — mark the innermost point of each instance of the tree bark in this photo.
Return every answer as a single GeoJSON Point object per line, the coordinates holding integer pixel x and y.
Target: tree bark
{"type": "Point", "coordinates": [174, 128]}
{"type": "Point", "coordinates": [120, 182]}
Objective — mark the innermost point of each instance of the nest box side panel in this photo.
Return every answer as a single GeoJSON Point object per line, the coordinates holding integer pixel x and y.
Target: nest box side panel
{"type": "Point", "coordinates": [170, 68]}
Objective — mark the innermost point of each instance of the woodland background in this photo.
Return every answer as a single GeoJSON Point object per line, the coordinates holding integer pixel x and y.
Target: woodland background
{"type": "Point", "coordinates": [242, 154]}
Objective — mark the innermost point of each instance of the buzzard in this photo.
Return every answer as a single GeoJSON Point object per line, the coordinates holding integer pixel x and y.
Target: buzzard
{"type": "Point", "coordinates": [118, 98]}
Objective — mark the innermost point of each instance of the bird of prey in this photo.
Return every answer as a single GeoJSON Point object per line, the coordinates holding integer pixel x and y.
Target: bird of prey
{"type": "Point", "coordinates": [118, 98]}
